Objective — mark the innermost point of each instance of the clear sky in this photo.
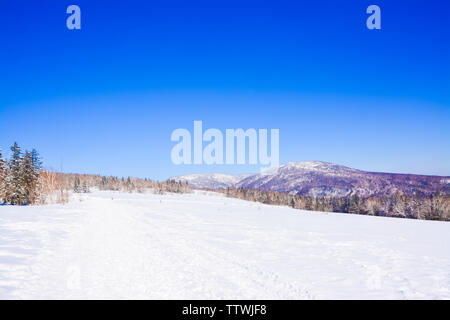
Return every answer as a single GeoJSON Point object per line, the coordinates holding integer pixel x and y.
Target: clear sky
{"type": "Point", "coordinates": [105, 99]}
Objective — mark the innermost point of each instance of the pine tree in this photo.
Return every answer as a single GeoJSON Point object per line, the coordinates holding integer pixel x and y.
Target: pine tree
{"type": "Point", "coordinates": [37, 167]}
{"type": "Point", "coordinates": [292, 202]}
{"type": "Point", "coordinates": [129, 185]}
{"type": "Point", "coordinates": [37, 163]}
{"type": "Point", "coordinates": [3, 180]}
{"type": "Point", "coordinates": [17, 192]}
{"type": "Point", "coordinates": [19, 178]}
{"type": "Point", "coordinates": [27, 178]}
{"type": "Point", "coordinates": [77, 185]}
{"type": "Point", "coordinates": [85, 188]}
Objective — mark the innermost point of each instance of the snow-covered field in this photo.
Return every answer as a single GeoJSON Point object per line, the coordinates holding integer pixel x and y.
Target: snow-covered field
{"type": "Point", "coordinates": [206, 246]}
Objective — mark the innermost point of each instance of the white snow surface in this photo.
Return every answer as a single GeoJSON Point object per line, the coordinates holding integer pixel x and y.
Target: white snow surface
{"type": "Point", "coordinates": [112, 245]}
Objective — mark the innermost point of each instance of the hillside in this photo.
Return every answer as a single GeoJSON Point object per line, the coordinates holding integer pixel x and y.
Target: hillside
{"type": "Point", "coordinates": [317, 178]}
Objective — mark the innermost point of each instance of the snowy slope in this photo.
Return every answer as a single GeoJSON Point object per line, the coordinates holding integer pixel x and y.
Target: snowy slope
{"type": "Point", "coordinates": [211, 181]}
{"type": "Point", "coordinates": [206, 246]}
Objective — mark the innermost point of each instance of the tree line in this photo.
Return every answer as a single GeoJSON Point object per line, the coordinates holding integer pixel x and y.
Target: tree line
{"type": "Point", "coordinates": [435, 207]}
{"type": "Point", "coordinates": [61, 185]}
{"type": "Point", "coordinates": [23, 181]}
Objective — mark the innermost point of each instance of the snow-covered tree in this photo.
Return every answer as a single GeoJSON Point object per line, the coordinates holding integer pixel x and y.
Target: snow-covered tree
{"type": "Point", "coordinates": [356, 205]}
{"type": "Point", "coordinates": [3, 179]}
{"type": "Point", "coordinates": [16, 187]}
{"type": "Point", "coordinates": [77, 185]}
{"type": "Point", "coordinates": [37, 168]}
{"type": "Point", "coordinates": [398, 205]}
{"type": "Point", "coordinates": [29, 172]}
{"type": "Point", "coordinates": [436, 207]}
{"type": "Point", "coordinates": [85, 187]}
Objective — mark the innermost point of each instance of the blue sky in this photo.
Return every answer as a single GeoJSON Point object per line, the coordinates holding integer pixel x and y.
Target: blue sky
{"type": "Point", "coordinates": [105, 99]}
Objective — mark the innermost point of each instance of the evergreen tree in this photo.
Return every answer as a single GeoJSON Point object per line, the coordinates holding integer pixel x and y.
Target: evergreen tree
{"type": "Point", "coordinates": [77, 185]}
{"type": "Point", "coordinates": [129, 185]}
{"type": "Point", "coordinates": [104, 184]}
{"type": "Point", "coordinates": [28, 179]}
{"type": "Point", "coordinates": [85, 188]}
{"type": "Point", "coordinates": [3, 180]}
{"type": "Point", "coordinates": [37, 167]}
{"type": "Point", "coordinates": [20, 177]}
{"type": "Point", "coordinates": [16, 190]}
{"type": "Point", "coordinates": [293, 202]}
{"type": "Point", "coordinates": [37, 163]}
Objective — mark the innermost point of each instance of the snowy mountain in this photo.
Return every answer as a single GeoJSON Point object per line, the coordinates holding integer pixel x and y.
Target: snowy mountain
{"type": "Point", "coordinates": [317, 178]}
{"type": "Point", "coordinates": [211, 181]}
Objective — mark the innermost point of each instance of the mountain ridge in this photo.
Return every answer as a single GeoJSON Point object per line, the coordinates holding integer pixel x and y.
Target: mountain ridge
{"type": "Point", "coordinates": [324, 179]}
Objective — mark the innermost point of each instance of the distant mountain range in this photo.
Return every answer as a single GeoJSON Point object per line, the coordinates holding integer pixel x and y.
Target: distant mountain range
{"type": "Point", "coordinates": [212, 181]}
{"type": "Point", "coordinates": [317, 178]}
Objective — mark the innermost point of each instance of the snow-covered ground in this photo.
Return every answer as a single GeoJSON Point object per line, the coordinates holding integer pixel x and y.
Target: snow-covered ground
{"type": "Point", "coordinates": [206, 246]}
